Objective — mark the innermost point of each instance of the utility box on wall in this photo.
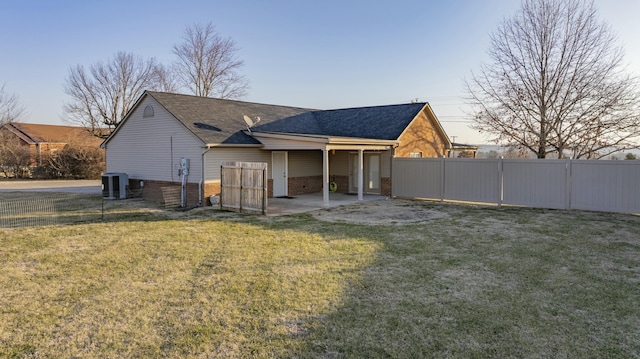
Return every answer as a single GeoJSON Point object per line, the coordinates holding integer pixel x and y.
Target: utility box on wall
{"type": "Point", "coordinates": [114, 185]}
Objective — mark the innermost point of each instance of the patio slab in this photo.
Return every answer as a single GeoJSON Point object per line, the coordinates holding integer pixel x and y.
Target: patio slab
{"type": "Point", "coordinates": [313, 202]}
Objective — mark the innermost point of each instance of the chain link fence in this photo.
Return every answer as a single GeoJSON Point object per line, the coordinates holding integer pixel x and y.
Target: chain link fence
{"type": "Point", "coordinates": [44, 209]}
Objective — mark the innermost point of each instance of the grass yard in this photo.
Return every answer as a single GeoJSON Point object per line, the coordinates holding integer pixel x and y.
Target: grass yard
{"type": "Point", "coordinates": [469, 282]}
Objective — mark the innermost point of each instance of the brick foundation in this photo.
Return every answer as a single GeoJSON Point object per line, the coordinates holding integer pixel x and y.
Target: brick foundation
{"type": "Point", "coordinates": [342, 182]}
{"type": "Point", "coordinates": [152, 190]}
{"type": "Point", "coordinates": [385, 186]}
{"type": "Point", "coordinates": [304, 185]}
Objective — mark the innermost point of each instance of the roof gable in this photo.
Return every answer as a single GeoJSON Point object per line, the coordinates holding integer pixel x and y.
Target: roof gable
{"type": "Point", "coordinates": [39, 133]}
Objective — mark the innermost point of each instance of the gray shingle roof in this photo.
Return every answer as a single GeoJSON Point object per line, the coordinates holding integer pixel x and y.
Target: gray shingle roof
{"type": "Point", "coordinates": [376, 122]}
{"type": "Point", "coordinates": [217, 121]}
{"type": "Point", "coordinates": [220, 121]}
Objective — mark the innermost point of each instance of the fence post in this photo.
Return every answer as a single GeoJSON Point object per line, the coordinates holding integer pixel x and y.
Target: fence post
{"type": "Point", "coordinates": [567, 184]}
{"type": "Point", "coordinates": [264, 191]}
{"type": "Point", "coordinates": [500, 181]}
{"type": "Point", "coordinates": [221, 183]}
{"type": "Point", "coordinates": [442, 178]}
{"type": "Point", "coordinates": [241, 172]}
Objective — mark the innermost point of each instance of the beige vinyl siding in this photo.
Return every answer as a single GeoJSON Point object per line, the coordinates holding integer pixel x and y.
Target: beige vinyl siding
{"type": "Point", "coordinates": [305, 163]}
{"type": "Point", "coordinates": [339, 163]}
{"type": "Point", "coordinates": [151, 148]}
{"type": "Point", "coordinates": [216, 155]}
{"type": "Point", "coordinates": [385, 164]}
{"type": "Point", "coordinates": [301, 163]}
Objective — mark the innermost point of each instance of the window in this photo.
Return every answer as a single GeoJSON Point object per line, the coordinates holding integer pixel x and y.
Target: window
{"type": "Point", "coordinates": [417, 154]}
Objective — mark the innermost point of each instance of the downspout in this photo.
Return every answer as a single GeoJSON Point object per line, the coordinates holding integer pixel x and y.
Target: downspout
{"type": "Point", "coordinates": [201, 184]}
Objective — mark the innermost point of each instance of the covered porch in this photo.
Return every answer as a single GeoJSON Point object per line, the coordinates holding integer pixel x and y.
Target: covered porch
{"type": "Point", "coordinates": [357, 147]}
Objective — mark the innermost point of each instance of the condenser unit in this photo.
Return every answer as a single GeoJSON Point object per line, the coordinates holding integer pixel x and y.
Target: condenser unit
{"type": "Point", "coordinates": [114, 185]}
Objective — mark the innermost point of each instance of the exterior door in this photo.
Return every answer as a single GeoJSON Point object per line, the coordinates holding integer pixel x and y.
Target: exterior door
{"type": "Point", "coordinates": [371, 173]}
{"type": "Point", "coordinates": [279, 173]}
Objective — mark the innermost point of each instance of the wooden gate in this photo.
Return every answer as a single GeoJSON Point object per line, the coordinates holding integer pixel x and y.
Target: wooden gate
{"type": "Point", "coordinates": [243, 187]}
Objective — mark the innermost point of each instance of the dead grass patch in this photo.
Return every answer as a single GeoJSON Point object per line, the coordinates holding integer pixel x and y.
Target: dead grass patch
{"type": "Point", "coordinates": [453, 281]}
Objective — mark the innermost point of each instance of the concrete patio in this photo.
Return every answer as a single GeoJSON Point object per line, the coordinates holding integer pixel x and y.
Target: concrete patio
{"type": "Point", "coordinates": [312, 202]}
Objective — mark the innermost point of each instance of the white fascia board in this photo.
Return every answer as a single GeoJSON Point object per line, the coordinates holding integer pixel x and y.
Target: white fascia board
{"type": "Point", "coordinates": [231, 145]}
{"type": "Point", "coordinates": [360, 141]}
{"type": "Point", "coordinates": [323, 139]}
{"type": "Point", "coordinates": [290, 137]}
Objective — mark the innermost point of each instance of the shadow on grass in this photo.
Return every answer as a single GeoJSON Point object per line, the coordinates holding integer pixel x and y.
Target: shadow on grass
{"type": "Point", "coordinates": [485, 282]}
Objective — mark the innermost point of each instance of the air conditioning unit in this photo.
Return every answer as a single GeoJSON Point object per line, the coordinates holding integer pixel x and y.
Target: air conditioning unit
{"type": "Point", "coordinates": [114, 185]}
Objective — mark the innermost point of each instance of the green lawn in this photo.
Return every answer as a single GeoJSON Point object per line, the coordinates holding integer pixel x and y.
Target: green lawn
{"type": "Point", "coordinates": [470, 282]}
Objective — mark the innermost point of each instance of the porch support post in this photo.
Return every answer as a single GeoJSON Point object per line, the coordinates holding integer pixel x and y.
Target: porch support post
{"type": "Point", "coordinates": [325, 178]}
{"type": "Point", "coordinates": [360, 174]}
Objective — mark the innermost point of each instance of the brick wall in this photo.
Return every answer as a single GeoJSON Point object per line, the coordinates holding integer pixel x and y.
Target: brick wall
{"type": "Point", "coordinates": [385, 186]}
{"type": "Point", "coordinates": [342, 182]}
{"type": "Point", "coordinates": [152, 190]}
{"type": "Point", "coordinates": [422, 136]}
{"type": "Point", "coordinates": [304, 185]}
{"type": "Point", "coordinates": [269, 188]}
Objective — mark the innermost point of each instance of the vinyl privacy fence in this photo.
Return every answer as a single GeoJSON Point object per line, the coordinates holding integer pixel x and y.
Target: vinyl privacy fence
{"type": "Point", "coordinates": [608, 186]}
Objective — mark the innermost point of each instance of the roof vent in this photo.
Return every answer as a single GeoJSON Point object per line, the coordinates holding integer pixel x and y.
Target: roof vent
{"type": "Point", "coordinates": [206, 126]}
{"type": "Point", "coordinates": [148, 112]}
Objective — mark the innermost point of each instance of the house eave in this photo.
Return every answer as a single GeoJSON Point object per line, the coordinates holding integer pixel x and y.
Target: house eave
{"type": "Point", "coordinates": [319, 139]}
{"type": "Point", "coordinates": [232, 145]}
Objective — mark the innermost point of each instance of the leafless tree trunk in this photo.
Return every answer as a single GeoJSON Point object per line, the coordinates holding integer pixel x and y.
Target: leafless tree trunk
{"type": "Point", "coordinates": [556, 84]}
{"type": "Point", "coordinates": [207, 64]}
{"type": "Point", "coordinates": [10, 108]}
{"type": "Point", "coordinates": [102, 96]}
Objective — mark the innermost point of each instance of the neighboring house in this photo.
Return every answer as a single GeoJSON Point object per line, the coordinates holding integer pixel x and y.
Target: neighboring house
{"type": "Point", "coordinates": [305, 149]}
{"type": "Point", "coordinates": [459, 150]}
{"type": "Point", "coordinates": [44, 140]}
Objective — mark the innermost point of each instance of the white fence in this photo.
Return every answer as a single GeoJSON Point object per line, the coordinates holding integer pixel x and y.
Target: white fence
{"type": "Point", "coordinates": [608, 186]}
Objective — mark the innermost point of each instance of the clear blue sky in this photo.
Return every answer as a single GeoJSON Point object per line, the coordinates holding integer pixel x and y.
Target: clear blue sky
{"type": "Point", "coordinates": [316, 54]}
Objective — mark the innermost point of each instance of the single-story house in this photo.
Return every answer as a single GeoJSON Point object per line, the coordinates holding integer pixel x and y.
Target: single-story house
{"type": "Point", "coordinates": [305, 149]}
{"type": "Point", "coordinates": [43, 140]}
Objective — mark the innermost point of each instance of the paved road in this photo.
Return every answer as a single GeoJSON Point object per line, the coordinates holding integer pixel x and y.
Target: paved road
{"type": "Point", "coordinates": [72, 186]}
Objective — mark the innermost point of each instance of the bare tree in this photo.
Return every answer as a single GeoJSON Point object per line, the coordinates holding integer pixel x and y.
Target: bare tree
{"type": "Point", "coordinates": [207, 64]}
{"type": "Point", "coordinates": [556, 84]}
{"type": "Point", "coordinates": [102, 96]}
{"type": "Point", "coordinates": [15, 156]}
{"type": "Point", "coordinates": [167, 79]}
{"type": "Point", "coordinates": [10, 108]}
{"type": "Point", "coordinates": [76, 161]}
